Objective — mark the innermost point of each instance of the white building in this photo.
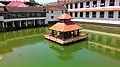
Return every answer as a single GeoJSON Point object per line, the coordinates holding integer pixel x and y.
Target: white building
{"type": "Point", "coordinates": [97, 11]}
{"type": "Point", "coordinates": [53, 10]}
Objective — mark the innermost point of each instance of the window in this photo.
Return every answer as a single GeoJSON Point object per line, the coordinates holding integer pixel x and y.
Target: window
{"type": "Point", "coordinates": [71, 13]}
{"type": "Point", "coordinates": [93, 14]}
{"type": "Point", "coordinates": [119, 14]}
{"type": "Point", "coordinates": [52, 17]}
{"type": "Point", "coordinates": [110, 14]}
{"type": "Point", "coordinates": [102, 3]}
{"type": "Point", "coordinates": [111, 2]}
{"type": "Point", "coordinates": [87, 14]}
{"type": "Point", "coordinates": [81, 5]}
{"type": "Point", "coordinates": [67, 6]}
{"type": "Point", "coordinates": [51, 11]}
{"type": "Point", "coordinates": [76, 5]}
{"type": "Point", "coordinates": [87, 4]}
{"type": "Point", "coordinates": [47, 11]}
{"type": "Point", "coordinates": [94, 3]}
{"type": "Point", "coordinates": [62, 11]}
{"type": "Point", "coordinates": [71, 6]}
{"type": "Point", "coordinates": [81, 14]}
{"type": "Point", "coordinates": [101, 14]}
{"type": "Point", "coordinates": [76, 14]}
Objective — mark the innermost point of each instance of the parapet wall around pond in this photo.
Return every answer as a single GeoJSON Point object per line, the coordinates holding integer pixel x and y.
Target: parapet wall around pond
{"type": "Point", "coordinates": [109, 28]}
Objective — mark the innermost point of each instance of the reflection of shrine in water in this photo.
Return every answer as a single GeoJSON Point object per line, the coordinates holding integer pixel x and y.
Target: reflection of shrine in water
{"type": "Point", "coordinates": [67, 51]}
{"type": "Point", "coordinates": [104, 44]}
{"type": "Point", "coordinates": [13, 39]}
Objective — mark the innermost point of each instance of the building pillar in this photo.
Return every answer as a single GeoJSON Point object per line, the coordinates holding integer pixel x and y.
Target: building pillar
{"type": "Point", "coordinates": [107, 2]}
{"type": "Point", "coordinates": [73, 5]}
{"type": "Point", "coordinates": [117, 2]}
{"type": "Point", "coordinates": [3, 25]}
{"type": "Point", "coordinates": [106, 15]}
{"type": "Point", "coordinates": [34, 22]}
{"type": "Point", "coordinates": [68, 6]}
{"type": "Point", "coordinates": [91, 4]}
{"type": "Point", "coordinates": [84, 4]}
{"type": "Point", "coordinates": [84, 14]}
{"type": "Point", "coordinates": [73, 14]}
{"type": "Point", "coordinates": [6, 24]}
{"type": "Point", "coordinates": [90, 14]}
{"type": "Point", "coordinates": [78, 5]}
{"type": "Point", "coordinates": [13, 24]}
{"type": "Point", "coordinates": [20, 24]}
{"type": "Point", "coordinates": [98, 3]}
{"type": "Point", "coordinates": [98, 15]}
{"type": "Point", "coordinates": [116, 15]}
{"type": "Point", "coordinates": [78, 15]}
{"type": "Point", "coordinates": [26, 23]}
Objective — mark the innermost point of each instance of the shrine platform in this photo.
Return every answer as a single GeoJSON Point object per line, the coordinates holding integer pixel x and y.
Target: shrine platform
{"type": "Point", "coordinates": [65, 41]}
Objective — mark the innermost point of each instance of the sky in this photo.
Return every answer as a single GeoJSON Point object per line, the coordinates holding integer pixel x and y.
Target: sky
{"type": "Point", "coordinates": [45, 1]}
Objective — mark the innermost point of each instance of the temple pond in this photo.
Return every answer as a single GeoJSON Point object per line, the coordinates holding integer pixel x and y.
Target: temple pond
{"type": "Point", "coordinates": [29, 48]}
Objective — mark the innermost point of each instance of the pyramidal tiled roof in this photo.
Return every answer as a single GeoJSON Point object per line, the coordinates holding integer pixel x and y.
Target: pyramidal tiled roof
{"type": "Point", "coordinates": [64, 27]}
{"type": "Point", "coordinates": [65, 16]}
{"type": "Point", "coordinates": [16, 4]}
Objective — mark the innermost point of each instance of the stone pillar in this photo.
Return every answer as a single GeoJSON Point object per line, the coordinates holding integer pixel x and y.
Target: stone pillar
{"type": "Point", "coordinates": [13, 24]}
{"type": "Point", "coordinates": [117, 2]}
{"type": "Point", "coordinates": [6, 24]}
{"type": "Point", "coordinates": [68, 6]}
{"type": "Point", "coordinates": [98, 3]}
{"type": "Point", "coordinates": [116, 14]}
{"type": "Point", "coordinates": [90, 14]}
{"type": "Point", "coordinates": [34, 22]}
{"type": "Point", "coordinates": [106, 14]}
{"type": "Point", "coordinates": [78, 5]}
{"type": "Point", "coordinates": [84, 4]}
{"type": "Point", "coordinates": [84, 14]}
{"type": "Point", "coordinates": [3, 25]}
{"type": "Point", "coordinates": [91, 4]}
{"type": "Point", "coordinates": [73, 14]}
{"type": "Point", "coordinates": [20, 24]}
{"type": "Point", "coordinates": [26, 23]}
{"type": "Point", "coordinates": [98, 15]}
{"type": "Point", "coordinates": [73, 5]}
{"type": "Point", "coordinates": [107, 2]}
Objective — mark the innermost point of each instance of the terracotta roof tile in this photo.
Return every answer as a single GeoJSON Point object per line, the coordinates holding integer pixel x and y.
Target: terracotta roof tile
{"type": "Point", "coordinates": [54, 6]}
{"type": "Point", "coordinates": [65, 27]}
{"type": "Point", "coordinates": [16, 4]}
{"type": "Point", "coordinates": [25, 9]}
{"type": "Point", "coordinates": [65, 16]}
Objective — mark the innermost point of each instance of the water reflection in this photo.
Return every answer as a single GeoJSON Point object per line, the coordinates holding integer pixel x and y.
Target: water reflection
{"type": "Point", "coordinates": [97, 42]}
{"type": "Point", "coordinates": [104, 44]}
{"type": "Point", "coordinates": [100, 43]}
{"type": "Point", "coordinates": [66, 52]}
{"type": "Point", "coordinates": [10, 40]}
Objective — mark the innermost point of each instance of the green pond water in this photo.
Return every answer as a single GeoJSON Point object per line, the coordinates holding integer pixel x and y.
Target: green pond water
{"type": "Point", "coordinates": [29, 48]}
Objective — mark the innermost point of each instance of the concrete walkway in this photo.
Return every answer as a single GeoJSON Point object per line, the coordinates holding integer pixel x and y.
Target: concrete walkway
{"type": "Point", "coordinates": [98, 32]}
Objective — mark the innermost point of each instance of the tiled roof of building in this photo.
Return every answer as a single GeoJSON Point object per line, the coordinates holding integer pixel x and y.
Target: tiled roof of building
{"type": "Point", "coordinates": [65, 16]}
{"type": "Point", "coordinates": [65, 27]}
{"type": "Point", "coordinates": [53, 6]}
{"type": "Point", "coordinates": [17, 4]}
{"type": "Point", "coordinates": [25, 9]}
